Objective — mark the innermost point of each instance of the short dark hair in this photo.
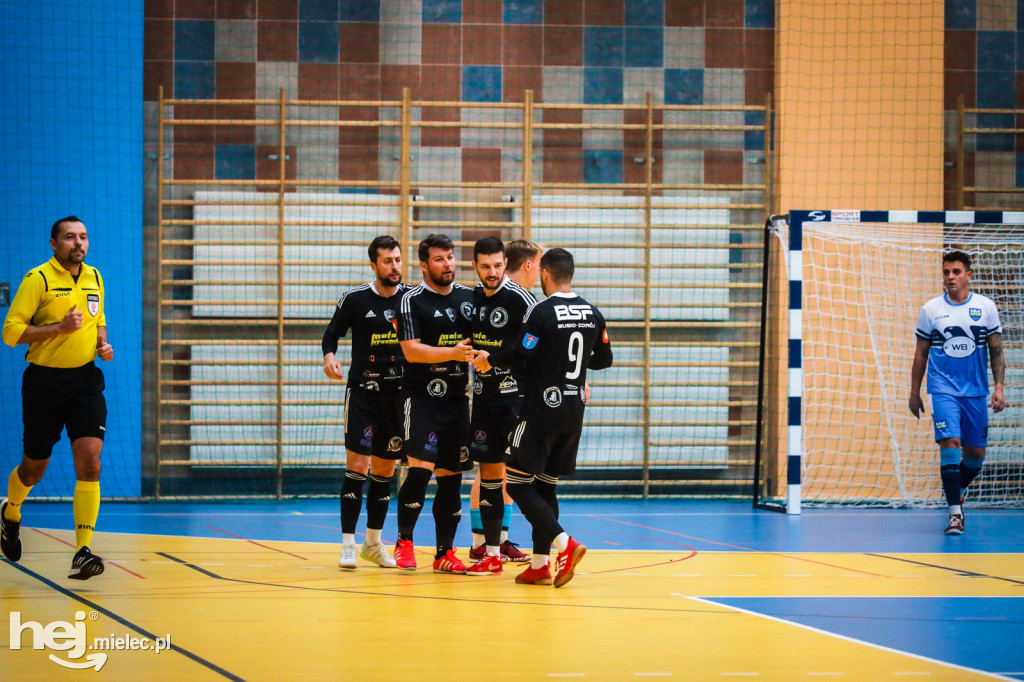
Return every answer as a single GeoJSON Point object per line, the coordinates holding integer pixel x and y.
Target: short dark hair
{"type": "Point", "coordinates": [487, 246]}
{"type": "Point", "coordinates": [559, 264]}
{"type": "Point", "coordinates": [435, 241]}
{"type": "Point", "coordinates": [384, 242]}
{"type": "Point", "coordinates": [518, 252]}
{"type": "Point", "coordinates": [954, 256]}
{"type": "Point", "coordinates": [55, 230]}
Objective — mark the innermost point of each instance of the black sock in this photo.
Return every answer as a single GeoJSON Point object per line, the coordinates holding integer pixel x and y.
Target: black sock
{"type": "Point", "coordinates": [378, 497]}
{"type": "Point", "coordinates": [536, 510]}
{"type": "Point", "coordinates": [447, 511]}
{"type": "Point", "coordinates": [492, 509]}
{"type": "Point", "coordinates": [545, 487]}
{"type": "Point", "coordinates": [969, 470]}
{"type": "Point", "coordinates": [351, 500]}
{"type": "Point", "coordinates": [410, 500]}
{"type": "Point", "coordinates": [951, 483]}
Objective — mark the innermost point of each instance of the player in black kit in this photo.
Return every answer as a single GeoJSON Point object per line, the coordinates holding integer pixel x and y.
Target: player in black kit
{"type": "Point", "coordinates": [434, 330]}
{"type": "Point", "coordinates": [562, 336]}
{"type": "Point", "coordinates": [373, 418]}
{"type": "Point", "coordinates": [499, 306]}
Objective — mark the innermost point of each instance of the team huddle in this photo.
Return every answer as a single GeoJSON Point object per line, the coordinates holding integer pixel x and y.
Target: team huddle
{"type": "Point", "coordinates": [417, 353]}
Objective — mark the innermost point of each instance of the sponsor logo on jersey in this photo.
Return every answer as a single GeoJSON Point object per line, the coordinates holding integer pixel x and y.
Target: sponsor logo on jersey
{"type": "Point", "coordinates": [467, 310]}
{"type": "Point", "coordinates": [371, 386]}
{"type": "Point", "coordinates": [370, 313]}
{"type": "Point", "coordinates": [553, 396]}
{"type": "Point", "coordinates": [959, 347]}
{"type": "Point", "coordinates": [529, 341]}
{"type": "Point", "coordinates": [508, 385]}
{"type": "Point", "coordinates": [451, 314]}
{"type": "Point", "coordinates": [395, 444]}
{"type": "Point", "coordinates": [499, 317]}
{"type": "Point", "coordinates": [975, 313]}
{"type": "Point", "coordinates": [573, 312]}
{"type": "Point", "coordinates": [94, 305]}
{"type": "Point", "coordinates": [940, 424]}
{"type": "Point", "coordinates": [437, 388]}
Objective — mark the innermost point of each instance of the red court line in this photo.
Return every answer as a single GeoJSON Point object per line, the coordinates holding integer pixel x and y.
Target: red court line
{"type": "Point", "coordinates": [65, 542]}
{"type": "Point", "coordinates": [692, 554]}
{"type": "Point", "coordinates": [745, 549]}
{"type": "Point", "coordinates": [253, 542]}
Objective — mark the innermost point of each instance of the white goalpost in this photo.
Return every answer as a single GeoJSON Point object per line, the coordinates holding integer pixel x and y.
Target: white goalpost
{"type": "Point", "coordinates": [857, 282]}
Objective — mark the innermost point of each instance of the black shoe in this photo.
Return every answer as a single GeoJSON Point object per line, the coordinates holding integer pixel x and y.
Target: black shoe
{"type": "Point", "coordinates": [85, 565]}
{"type": "Point", "coordinates": [10, 535]}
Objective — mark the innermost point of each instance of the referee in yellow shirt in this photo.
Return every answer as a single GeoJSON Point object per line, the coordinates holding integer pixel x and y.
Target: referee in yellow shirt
{"type": "Point", "coordinates": [58, 312]}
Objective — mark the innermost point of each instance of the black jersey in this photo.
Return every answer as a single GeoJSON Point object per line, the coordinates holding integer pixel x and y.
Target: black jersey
{"type": "Point", "coordinates": [376, 353]}
{"type": "Point", "coordinates": [562, 336]}
{"type": "Point", "coordinates": [436, 320]}
{"type": "Point", "coordinates": [496, 321]}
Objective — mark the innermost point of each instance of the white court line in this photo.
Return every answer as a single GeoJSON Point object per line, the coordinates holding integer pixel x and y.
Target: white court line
{"type": "Point", "coordinates": [854, 640]}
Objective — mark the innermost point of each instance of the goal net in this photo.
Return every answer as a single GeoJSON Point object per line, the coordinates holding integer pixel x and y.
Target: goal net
{"type": "Point", "coordinates": [863, 286]}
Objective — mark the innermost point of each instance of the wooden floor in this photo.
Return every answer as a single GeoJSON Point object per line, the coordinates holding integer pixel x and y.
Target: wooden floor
{"type": "Point", "coordinates": [246, 606]}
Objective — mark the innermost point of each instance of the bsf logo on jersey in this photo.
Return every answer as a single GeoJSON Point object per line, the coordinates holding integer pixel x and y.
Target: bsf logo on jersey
{"type": "Point", "coordinates": [437, 388]}
{"type": "Point", "coordinates": [529, 341]}
{"type": "Point", "coordinates": [451, 314]}
{"type": "Point", "coordinates": [478, 386]}
{"type": "Point", "coordinates": [467, 310]}
{"type": "Point", "coordinates": [975, 313]}
{"type": "Point", "coordinates": [573, 312]}
{"type": "Point", "coordinates": [94, 305]}
{"type": "Point", "coordinates": [499, 317]}
{"type": "Point", "coordinates": [389, 315]}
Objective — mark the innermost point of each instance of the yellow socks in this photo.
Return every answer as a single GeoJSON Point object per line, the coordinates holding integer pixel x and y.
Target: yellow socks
{"type": "Point", "coordinates": [16, 494]}
{"type": "Point", "coordinates": [85, 507]}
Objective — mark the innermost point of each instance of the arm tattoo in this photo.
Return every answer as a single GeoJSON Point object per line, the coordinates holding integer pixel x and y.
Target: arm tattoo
{"type": "Point", "coordinates": [998, 363]}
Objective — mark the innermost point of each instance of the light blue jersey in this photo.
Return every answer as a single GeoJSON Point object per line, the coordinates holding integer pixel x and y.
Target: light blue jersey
{"type": "Point", "coordinates": [958, 359]}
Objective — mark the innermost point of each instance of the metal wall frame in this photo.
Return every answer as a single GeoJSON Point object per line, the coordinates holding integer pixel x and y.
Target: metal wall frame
{"type": "Point", "coordinates": [176, 330]}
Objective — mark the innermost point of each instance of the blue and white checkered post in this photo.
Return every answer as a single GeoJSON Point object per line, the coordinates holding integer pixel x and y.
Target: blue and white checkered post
{"type": "Point", "coordinates": [796, 372]}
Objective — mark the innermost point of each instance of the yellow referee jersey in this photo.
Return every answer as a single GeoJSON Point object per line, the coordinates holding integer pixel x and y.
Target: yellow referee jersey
{"type": "Point", "coordinates": [44, 297]}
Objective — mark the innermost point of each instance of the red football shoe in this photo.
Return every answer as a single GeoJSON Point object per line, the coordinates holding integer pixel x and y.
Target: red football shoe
{"type": "Point", "coordinates": [450, 563]}
{"type": "Point", "coordinates": [566, 563]}
{"type": "Point", "coordinates": [510, 552]}
{"type": "Point", "coordinates": [535, 576]}
{"type": "Point", "coordinates": [405, 555]}
{"type": "Point", "coordinates": [489, 565]}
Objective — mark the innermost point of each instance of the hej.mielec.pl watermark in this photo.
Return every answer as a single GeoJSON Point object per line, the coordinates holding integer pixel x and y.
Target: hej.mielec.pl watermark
{"type": "Point", "coordinates": [71, 637]}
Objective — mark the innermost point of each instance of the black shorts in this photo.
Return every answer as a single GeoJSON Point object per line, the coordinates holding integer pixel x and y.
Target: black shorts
{"type": "Point", "coordinates": [536, 449]}
{"type": "Point", "coordinates": [373, 423]}
{"type": "Point", "coordinates": [437, 430]}
{"type": "Point", "coordinates": [490, 427]}
{"type": "Point", "coordinates": [53, 399]}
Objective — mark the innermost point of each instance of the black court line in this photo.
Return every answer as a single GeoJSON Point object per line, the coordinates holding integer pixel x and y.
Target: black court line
{"type": "Point", "coordinates": [365, 593]}
{"type": "Point", "coordinates": [960, 572]}
{"type": "Point", "coordinates": [123, 621]}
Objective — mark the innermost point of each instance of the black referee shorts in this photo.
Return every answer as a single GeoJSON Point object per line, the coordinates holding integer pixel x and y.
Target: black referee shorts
{"type": "Point", "coordinates": [534, 449]}
{"type": "Point", "coordinates": [53, 399]}
{"type": "Point", "coordinates": [373, 423]}
{"type": "Point", "coordinates": [437, 431]}
{"type": "Point", "coordinates": [489, 428]}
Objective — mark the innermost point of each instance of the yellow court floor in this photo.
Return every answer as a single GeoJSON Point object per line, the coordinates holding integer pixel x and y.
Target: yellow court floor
{"type": "Point", "coordinates": [273, 610]}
